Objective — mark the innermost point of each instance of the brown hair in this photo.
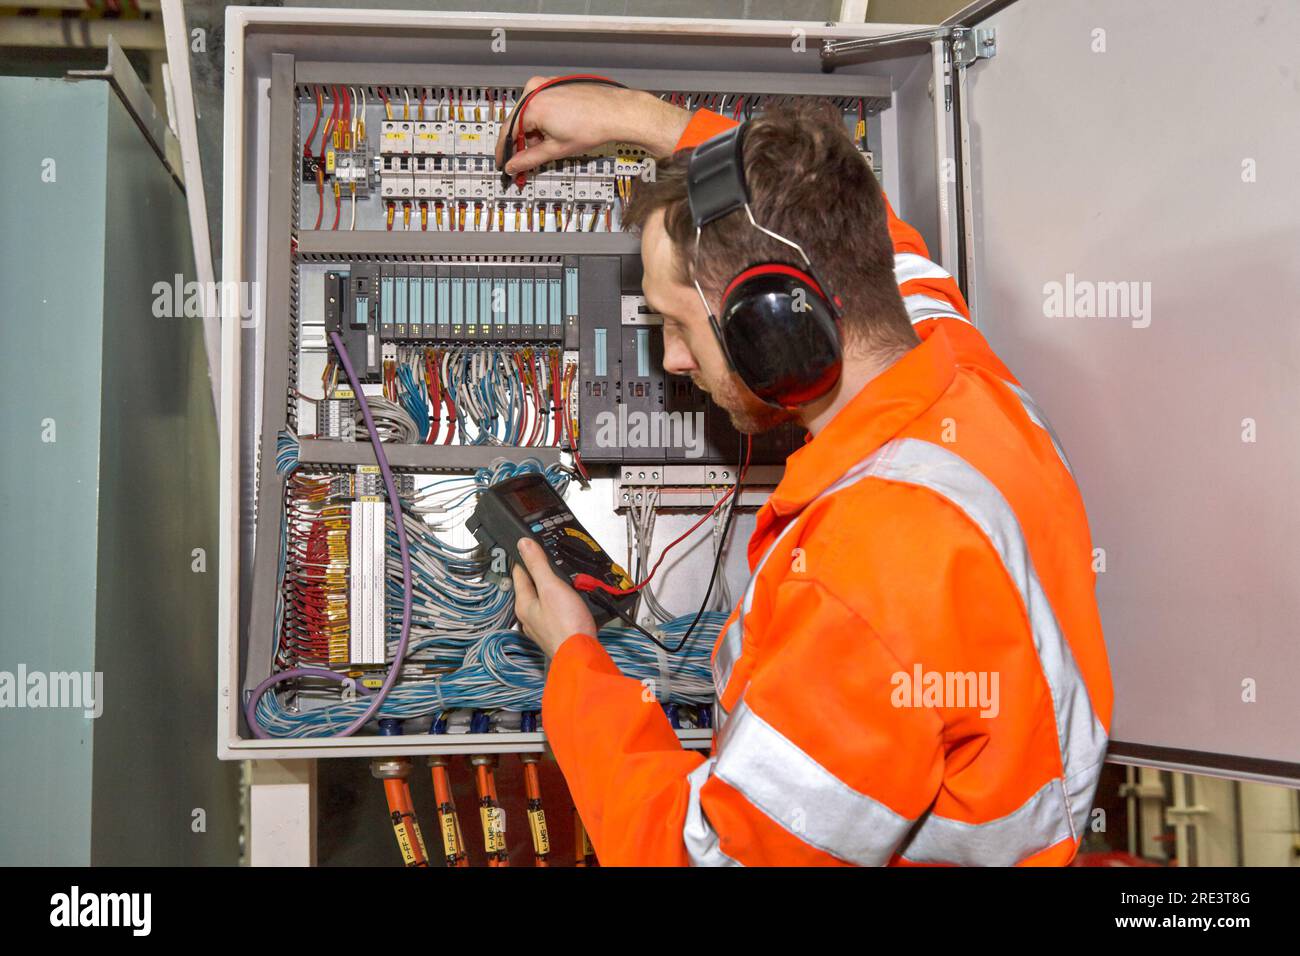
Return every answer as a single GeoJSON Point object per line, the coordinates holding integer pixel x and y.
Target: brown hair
{"type": "Point", "coordinates": [807, 182]}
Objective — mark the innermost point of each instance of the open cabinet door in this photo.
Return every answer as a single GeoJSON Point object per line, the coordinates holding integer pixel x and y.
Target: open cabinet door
{"type": "Point", "coordinates": [1132, 198]}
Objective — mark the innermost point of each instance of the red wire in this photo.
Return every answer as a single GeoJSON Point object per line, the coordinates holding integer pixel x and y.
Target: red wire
{"type": "Point", "coordinates": [433, 383]}
{"type": "Point", "coordinates": [573, 445]}
{"type": "Point", "coordinates": [585, 582]}
{"type": "Point", "coordinates": [347, 117]}
{"type": "Point", "coordinates": [536, 389]}
{"type": "Point", "coordinates": [306, 146]}
{"type": "Point", "coordinates": [320, 196]}
{"type": "Point", "coordinates": [451, 416]}
{"type": "Point", "coordinates": [556, 391]}
{"type": "Point", "coordinates": [520, 141]}
{"type": "Point", "coordinates": [330, 123]}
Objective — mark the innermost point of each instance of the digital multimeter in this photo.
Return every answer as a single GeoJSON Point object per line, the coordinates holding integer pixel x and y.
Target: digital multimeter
{"type": "Point", "coordinates": [526, 506]}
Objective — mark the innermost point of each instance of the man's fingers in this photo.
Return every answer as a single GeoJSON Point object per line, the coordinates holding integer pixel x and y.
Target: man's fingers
{"type": "Point", "coordinates": [525, 592]}
{"type": "Point", "coordinates": [534, 156]}
{"type": "Point", "coordinates": [534, 558]}
{"type": "Point", "coordinates": [531, 85]}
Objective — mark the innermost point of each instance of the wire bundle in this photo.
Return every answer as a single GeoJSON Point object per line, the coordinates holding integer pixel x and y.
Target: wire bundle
{"type": "Point", "coordinates": [491, 395]}
{"type": "Point", "coordinates": [502, 669]}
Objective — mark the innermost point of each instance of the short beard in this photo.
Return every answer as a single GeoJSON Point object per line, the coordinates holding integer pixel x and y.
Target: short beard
{"type": "Point", "coordinates": [749, 414]}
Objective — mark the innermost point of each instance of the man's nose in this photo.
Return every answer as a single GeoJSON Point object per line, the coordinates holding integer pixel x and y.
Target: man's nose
{"type": "Point", "coordinates": [677, 357]}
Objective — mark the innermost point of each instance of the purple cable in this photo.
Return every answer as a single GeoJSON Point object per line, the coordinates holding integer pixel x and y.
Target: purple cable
{"type": "Point", "coordinates": [250, 708]}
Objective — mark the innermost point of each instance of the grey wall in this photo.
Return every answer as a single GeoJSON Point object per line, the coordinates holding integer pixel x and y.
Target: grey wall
{"type": "Point", "coordinates": [100, 523]}
{"type": "Point", "coordinates": [49, 359]}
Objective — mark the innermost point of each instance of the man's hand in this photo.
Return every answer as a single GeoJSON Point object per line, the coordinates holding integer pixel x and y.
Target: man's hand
{"type": "Point", "coordinates": [549, 609]}
{"type": "Point", "coordinates": [575, 118]}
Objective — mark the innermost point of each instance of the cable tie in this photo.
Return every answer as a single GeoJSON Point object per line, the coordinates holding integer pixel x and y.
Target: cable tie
{"type": "Point", "coordinates": [437, 686]}
{"type": "Point", "coordinates": [665, 678]}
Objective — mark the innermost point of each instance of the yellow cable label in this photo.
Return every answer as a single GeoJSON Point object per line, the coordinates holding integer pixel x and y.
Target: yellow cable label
{"type": "Point", "coordinates": [450, 834]}
{"type": "Point", "coordinates": [541, 839]}
{"type": "Point", "coordinates": [404, 843]}
{"type": "Point", "coordinates": [494, 829]}
{"type": "Point", "coordinates": [419, 838]}
{"type": "Point", "coordinates": [329, 161]}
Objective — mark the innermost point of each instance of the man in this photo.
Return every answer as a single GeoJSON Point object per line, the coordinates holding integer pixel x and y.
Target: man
{"type": "Point", "coordinates": [916, 674]}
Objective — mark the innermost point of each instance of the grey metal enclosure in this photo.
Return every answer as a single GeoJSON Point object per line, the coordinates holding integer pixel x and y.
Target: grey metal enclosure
{"type": "Point", "coordinates": [1111, 183]}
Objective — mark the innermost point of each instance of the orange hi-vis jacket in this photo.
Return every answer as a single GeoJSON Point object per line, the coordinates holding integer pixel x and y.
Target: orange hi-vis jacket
{"type": "Point", "coordinates": [915, 674]}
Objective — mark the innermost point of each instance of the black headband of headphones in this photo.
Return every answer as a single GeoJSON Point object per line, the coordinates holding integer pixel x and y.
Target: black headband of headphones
{"type": "Point", "coordinates": [716, 187]}
{"type": "Point", "coordinates": [777, 324]}
{"type": "Point", "coordinates": [715, 178]}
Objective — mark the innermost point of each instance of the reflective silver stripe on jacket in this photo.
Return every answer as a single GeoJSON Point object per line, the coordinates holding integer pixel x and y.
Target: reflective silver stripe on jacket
{"type": "Point", "coordinates": [728, 651]}
{"type": "Point", "coordinates": [732, 643]}
{"type": "Point", "coordinates": [701, 839]}
{"type": "Point", "coordinates": [1040, 822]}
{"type": "Point", "coordinates": [1080, 736]}
{"type": "Point", "coordinates": [796, 792]}
{"type": "Point", "coordinates": [909, 266]}
{"type": "Point", "coordinates": [922, 307]}
{"type": "Point", "coordinates": [1038, 418]}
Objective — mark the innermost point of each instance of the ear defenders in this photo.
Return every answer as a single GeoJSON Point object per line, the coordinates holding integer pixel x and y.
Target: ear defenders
{"type": "Point", "coordinates": [779, 323]}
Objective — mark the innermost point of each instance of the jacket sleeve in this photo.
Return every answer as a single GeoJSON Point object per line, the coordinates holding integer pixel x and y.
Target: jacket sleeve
{"type": "Point", "coordinates": [931, 295]}
{"type": "Point", "coordinates": [781, 788]}
{"type": "Point", "coordinates": [624, 765]}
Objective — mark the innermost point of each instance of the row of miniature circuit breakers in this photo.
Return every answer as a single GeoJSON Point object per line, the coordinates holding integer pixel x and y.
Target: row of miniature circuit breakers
{"type": "Point", "coordinates": [455, 161]}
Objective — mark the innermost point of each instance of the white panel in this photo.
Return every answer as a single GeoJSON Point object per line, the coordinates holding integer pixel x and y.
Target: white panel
{"type": "Point", "coordinates": [1131, 165]}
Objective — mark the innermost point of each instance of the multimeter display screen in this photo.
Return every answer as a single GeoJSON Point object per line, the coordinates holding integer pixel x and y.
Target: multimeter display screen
{"type": "Point", "coordinates": [531, 498]}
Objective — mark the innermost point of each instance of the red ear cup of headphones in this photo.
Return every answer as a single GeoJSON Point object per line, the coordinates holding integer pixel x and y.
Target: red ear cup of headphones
{"type": "Point", "coordinates": [780, 334]}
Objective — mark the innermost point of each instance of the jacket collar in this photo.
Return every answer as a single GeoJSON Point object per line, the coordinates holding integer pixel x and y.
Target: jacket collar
{"type": "Point", "coordinates": [883, 408]}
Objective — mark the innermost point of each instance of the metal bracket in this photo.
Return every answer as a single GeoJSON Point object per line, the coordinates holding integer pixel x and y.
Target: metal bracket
{"type": "Point", "coordinates": [122, 77]}
{"type": "Point", "coordinates": [834, 50]}
{"type": "Point", "coordinates": [969, 45]}
{"type": "Point", "coordinates": [1183, 814]}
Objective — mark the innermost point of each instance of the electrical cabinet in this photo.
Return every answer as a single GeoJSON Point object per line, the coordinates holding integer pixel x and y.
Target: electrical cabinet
{"type": "Point", "coordinates": [490, 324]}
{"type": "Point", "coordinates": [362, 198]}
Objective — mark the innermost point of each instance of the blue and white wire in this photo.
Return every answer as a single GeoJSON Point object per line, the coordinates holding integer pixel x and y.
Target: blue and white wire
{"type": "Point", "coordinates": [504, 669]}
{"type": "Point", "coordinates": [412, 395]}
{"type": "Point", "coordinates": [286, 452]}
